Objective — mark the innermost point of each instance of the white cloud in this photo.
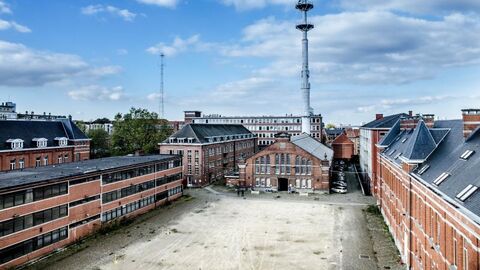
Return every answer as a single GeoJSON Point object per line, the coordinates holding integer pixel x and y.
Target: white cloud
{"type": "Point", "coordinates": [388, 104]}
{"type": "Point", "coordinates": [160, 3]}
{"type": "Point", "coordinates": [435, 7]}
{"type": "Point", "coordinates": [4, 8]}
{"type": "Point", "coordinates": [153, 96]}
{"type": "Point", "coordinates": [122, 51]}
{"type": "Point", "coordinates": [6, 25]}
{"type": "Point", "coordinates": [97, 92]}
{"type": "Point", "coordinates": [364, 47]}
{"type": "Point", "coordinates": [255, 4]}
{"type": "Point", "coordinates": [23, 66]}
{"type": "Point", "coordinates": [177, 46]}
{"type": "Point", "coordinates": [125, 14]}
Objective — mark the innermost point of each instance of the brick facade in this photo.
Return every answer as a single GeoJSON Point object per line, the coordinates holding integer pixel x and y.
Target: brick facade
{"type": "Point", "coordinates": [89, 201]}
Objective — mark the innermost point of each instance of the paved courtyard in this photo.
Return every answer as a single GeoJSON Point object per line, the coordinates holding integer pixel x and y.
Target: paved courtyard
{"type": "Point", "coordinates": [221, 231]}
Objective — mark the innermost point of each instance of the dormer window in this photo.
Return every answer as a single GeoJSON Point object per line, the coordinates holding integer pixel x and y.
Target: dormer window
{"type": "Point", "coordinates": [16, 144]}
{"type": "Point", "coordinates": [62, 141]}
{"type": "Point", "coordinates": [172, 139]}
{"type": "Point", "coordinates": [41, 142]}
{"type": "Point", "coordinates": [190, 140]}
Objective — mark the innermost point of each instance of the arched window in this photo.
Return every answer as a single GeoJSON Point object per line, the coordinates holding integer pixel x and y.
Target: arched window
{"type": "Point", "coordinates": [309, 167]}
{"type": "Point", "coordinates": [262, 165]}
{"type": "Point", "coordinates": [257, 166]}
{"type": "Point", "coordinates": [309, 183]}
{"type": "Point", "coordinates": [282, 163]}
{"type": "Point", "coordinates": [297, 183]}
{"type": "Point", "coordinates": [277, 164]}
{"type": "Point", "coordinates": [304, 163]}
{"type": "Point", "coordinates": [297, 165]}
{"type": "Point", "coordinates": [287, 164]}
{"type": "Point", "coordinates": [267, 160]}
{"type": "Point", "coordinates": [304, 183]}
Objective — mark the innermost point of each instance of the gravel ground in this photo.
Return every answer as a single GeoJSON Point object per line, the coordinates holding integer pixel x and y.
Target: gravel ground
{"type": "Point", "coordinates": [217, 230]}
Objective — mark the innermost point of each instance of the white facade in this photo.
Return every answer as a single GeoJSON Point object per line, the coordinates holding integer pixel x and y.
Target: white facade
{"type": "Point", "coordinates": [265, 127]}
{"type": "Point", "coordinates": [365, 151]}
{"type": "Point", "coordinates": [108, 127]}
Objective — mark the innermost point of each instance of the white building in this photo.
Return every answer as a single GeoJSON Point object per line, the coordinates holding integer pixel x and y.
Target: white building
{"type": "Point", "coordinates": [265, 127]}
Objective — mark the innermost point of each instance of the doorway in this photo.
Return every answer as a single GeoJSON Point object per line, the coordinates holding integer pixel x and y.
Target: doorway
{"type": "Point", "coordinates": [282, 184]}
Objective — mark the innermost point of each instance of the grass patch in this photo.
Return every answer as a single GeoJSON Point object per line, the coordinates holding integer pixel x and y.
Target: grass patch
{"type": "Point", "coordinates": [374, 210]}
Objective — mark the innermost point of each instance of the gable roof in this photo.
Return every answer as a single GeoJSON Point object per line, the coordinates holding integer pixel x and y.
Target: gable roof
{"type": "Point", "coordinates": [342, 139]}
{"type": "Point", "coordinates": [385, 122]}
{"type": "Point", "coordinates": [29, 130]}
{"type": "Point", "coordinates": [391, 135]}
{"type": "Point", "coordinates": [312, 146]}
{"type": "Point", "coordinates": [421, 144]}
{"type": "Point", "coordinates": [201, 132]}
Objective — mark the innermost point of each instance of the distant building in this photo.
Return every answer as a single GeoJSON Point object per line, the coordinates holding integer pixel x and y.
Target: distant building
{"type": "Point", "coordinates": [8, 110]}
{"type": "Point", "coordinates": [47, 208]}
{"type": "Point", "coordinates": [103, 124]}
{"type": "Point", "coordinates": [176, 125]}
{"type": "Point", "coordinates": [331, 134]}
{"type": "Point", "coordinates": [353, 133]}
{"type": "Point", "coordinates": [370, 134]}
{"type": "Point", "coordinates": [27, 143]}
{"type": "Point", "coordinates": [44, 116]}
{"type": "Point", "coordinates": [209, 151]}
{"type": "Point", "coordinates": [264, 127]}
{"type": "Point", "coordinates": [298, 163]}
{"type": "Point", "coordinates": [343, 147]}
{"type": "Point", "coordinates": [428, 190]}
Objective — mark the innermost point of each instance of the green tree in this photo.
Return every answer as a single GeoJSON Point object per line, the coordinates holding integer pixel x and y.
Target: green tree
{"type": "Point", "coordinates": [329, 126]}
{"type": "Point", "coordinates": [138, 130]}
{"type": "Point", "coordinates": [100, 143]}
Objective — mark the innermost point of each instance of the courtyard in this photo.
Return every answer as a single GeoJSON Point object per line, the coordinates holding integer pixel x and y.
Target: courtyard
{"type": "Point", "coordinates": [218, 230]}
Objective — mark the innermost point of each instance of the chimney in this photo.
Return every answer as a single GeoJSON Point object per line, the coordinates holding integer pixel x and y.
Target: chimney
{"type": "Point", "coordinates": [409, 122]}
{"type": "Point", "coordinates": [471, 120]}
{"type": "Point", "coordinates": [410, 113]}
{"type": "Point", "coordinates": [429, 120]}
{"type": "Point", "coordinates": [378, 116]}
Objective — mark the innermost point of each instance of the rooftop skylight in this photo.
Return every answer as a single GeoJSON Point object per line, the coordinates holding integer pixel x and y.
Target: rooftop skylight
{"type": "Point", "coordinates": [391, 152]}
{"type": "Point", "coordinates": [466, 192]}
{"type": "Point", "coordinates": [423, 169]}
{"type": "Point", "coordinates": [404, 140]}
{"type": "Point", "coordinates": [467, 154]}
{"type": "Point", "coordinates": [441, 178]}
{"type": "Point", "coordinates": [398, 155]}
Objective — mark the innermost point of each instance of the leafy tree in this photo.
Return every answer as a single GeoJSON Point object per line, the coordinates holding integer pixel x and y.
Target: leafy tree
{"type": "Point", "coordinates": [81, 126]}
{"type": "Point", "coordinates": [100, 143]}
{"type": "Point", "coordinates": [138, 130]}
{"type": "Point", "coordinates": [329, 126]}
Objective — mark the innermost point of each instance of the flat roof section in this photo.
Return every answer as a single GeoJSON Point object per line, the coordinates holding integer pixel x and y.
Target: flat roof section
{"type": "Point", "coordinates": [59, 171]}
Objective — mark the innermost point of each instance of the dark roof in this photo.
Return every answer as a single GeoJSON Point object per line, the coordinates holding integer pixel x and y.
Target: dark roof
{"type": "Point", "coordinates": [60, 171]}
{"type": "Point", "coordinates": [334, 131]}
{"type": "Point", "coordinates": [28, 130]}
{"type": "Point", "coordinates": [445, 158]}
{"type": "Point", "coordinates": [385, 122]}
{"type": "Point", "coordinates": [392, 135]}
{"type": "Point", "coordinates": [421, 144]}
{"type": "Point", "coordinates": [200, 132]}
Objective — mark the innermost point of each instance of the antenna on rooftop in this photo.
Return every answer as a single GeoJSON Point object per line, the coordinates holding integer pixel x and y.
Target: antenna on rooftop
{"type": "Point", "coordinates": [162, 91]}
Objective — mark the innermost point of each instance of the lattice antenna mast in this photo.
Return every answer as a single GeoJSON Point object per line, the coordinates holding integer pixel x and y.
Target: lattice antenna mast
{"type": "Point", "coordinates": [304, 6]}
{"type": "Point", "coordinates": [162, 90]}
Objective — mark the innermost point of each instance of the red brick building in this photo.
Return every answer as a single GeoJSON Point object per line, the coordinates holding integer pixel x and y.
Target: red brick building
{"type": "Point", "coordinates": [428, 181]}
{"type": "Point", "coordinates": [299, 162]}
{"type": "Point", "coordinates": [343, 147]}
{"type": "Point", "coordinates": [210, 151]}
{"type": "Point", "coordinates": [46, 208]}
{"type": "Point", "coordinates": [353, 133]}
{"type": "Point", "coordinates": [35, 143]}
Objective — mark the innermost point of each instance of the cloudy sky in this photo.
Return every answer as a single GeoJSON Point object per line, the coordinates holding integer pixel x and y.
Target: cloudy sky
{"type": "Point", "coordinates": [240, 57]}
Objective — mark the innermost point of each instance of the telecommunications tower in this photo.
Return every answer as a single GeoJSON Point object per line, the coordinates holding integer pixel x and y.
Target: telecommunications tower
{"type": "Point", "coordinates": [304, 6]}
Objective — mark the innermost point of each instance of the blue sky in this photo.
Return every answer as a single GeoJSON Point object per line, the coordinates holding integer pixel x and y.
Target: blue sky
{"type": "Point", "coordinates": [240, 57]}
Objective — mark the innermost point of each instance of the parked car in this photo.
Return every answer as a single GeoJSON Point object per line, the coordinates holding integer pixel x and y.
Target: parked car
{"type": "Point", "coordinates": [339, 183]}
{"type": "Point", "coordinates": [339, 190]}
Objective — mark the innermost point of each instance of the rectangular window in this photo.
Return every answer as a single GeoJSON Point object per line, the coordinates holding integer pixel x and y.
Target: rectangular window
{"type": "Point", "coordinates": [21, 163]}
{"type": "Point", "coordinates": [465, 258]}
{"type": "Point", "coordinates": [466, 193]}
{"type": "Point", "coordinates": [13, 164]}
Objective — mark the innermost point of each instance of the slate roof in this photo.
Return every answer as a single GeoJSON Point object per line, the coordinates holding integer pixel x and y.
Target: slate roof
{"type": "Point", "coordinates": [201, 132]}
{"type": "Point", "coordinates": [61, 171]}
{"type": "Point", "coordinates": [445, 158]}
{"type": "Point", "coordinates": [334, 131]}
{"type": "Point", "coordinates": [28, 130]}
{"type": "Point", "coordinates": [385, 122]}
{"type": "Point", "coordinates": [312, 146]}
